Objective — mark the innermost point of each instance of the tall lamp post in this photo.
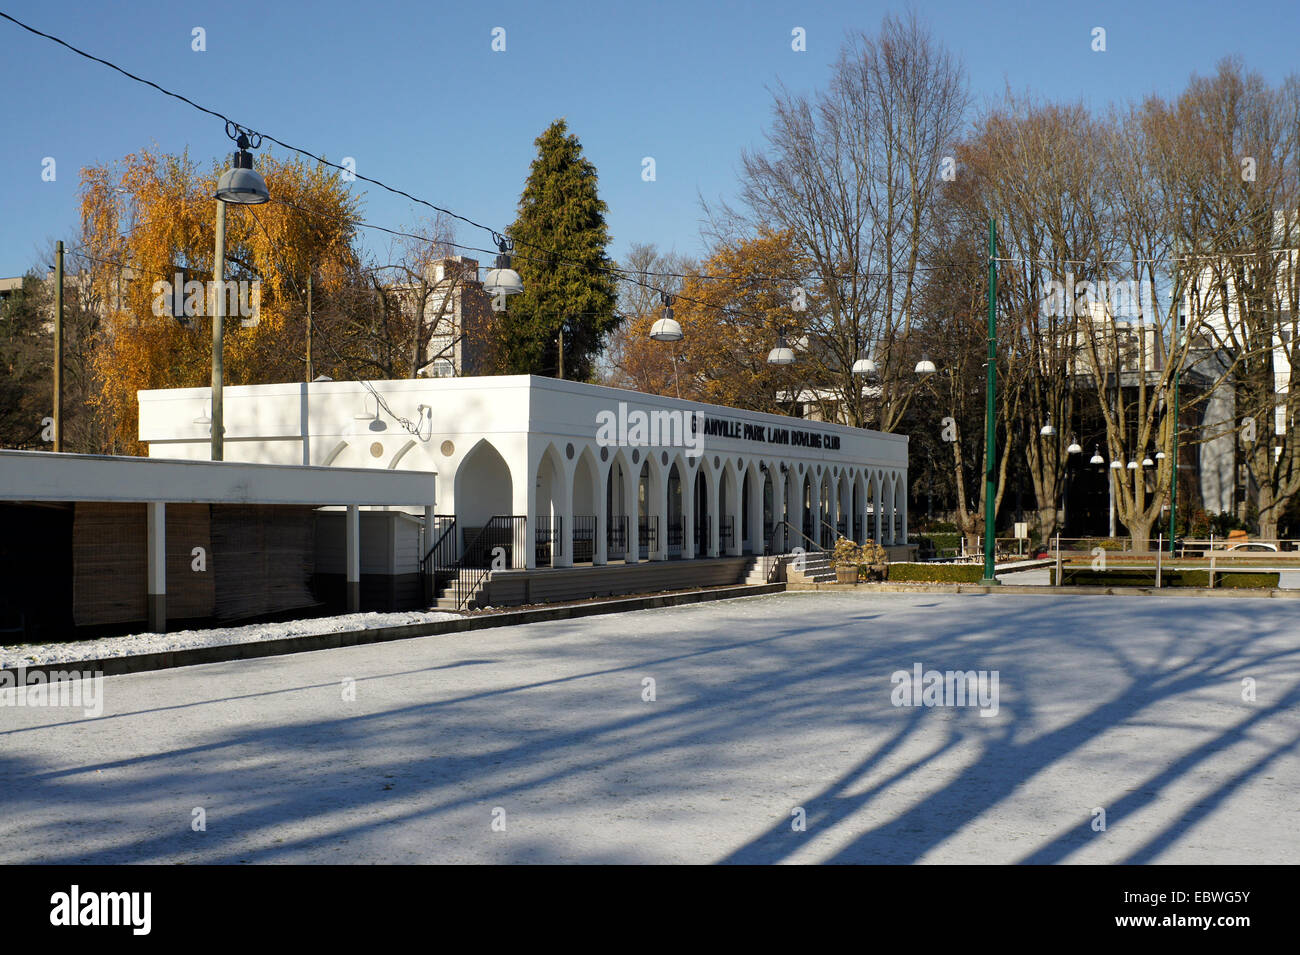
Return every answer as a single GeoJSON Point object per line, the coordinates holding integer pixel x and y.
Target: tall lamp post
{"type": "Point", "coordinates": [990, 421]}
{"type": "Point", "coordinates": [242, 185]}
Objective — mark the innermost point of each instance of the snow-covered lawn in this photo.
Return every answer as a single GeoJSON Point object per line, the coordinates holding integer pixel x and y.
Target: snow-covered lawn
{"type": "Point", "coordinates": [31, 654]}
{"type": "Point", "coordinates": [702, 733]}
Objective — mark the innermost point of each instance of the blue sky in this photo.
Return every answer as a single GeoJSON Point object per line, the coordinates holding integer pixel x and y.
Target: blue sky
{"type": "Point", "coordinates": [414, 92]}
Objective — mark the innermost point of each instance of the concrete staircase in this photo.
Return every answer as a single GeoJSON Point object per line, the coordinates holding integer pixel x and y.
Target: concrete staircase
{"type": "Point", "coordinates": [817, 568]}
{"type": "Point", "coordinates": [445, 598]}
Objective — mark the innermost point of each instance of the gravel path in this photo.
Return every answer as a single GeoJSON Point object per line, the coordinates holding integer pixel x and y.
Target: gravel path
{"type": "Point", "coordinates": [33, 653]}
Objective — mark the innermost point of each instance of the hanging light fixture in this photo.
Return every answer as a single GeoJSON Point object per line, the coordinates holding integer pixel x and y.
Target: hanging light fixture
{"type": "Point", "coordinates": [667, 328]}
{"type": "Point", "coordinates": [1160, 455]}
{"type": "Point", "coordinates": [925, 366]}
{"type": "Point", "coordinates": [864, 367]}
{"type": "Point", "coordinates": [782, 354]}
{"type": "Point", "coordinates": [1047, 431]}
{"type": "Point", "coordinates": [1147, 462]}
{"type": "Point", "coordinates": [241, 183]}
{"type": "Point", "coordinates": [1074, 448]}
{"type": "Point", "coordinates": [1096, 456]}
{"type": "Point", "coordinates": [1117, 465]}
{"type": "Point", "coordinates": [503, 280]}
{"type": "Point", "coordinates": [1132, 465]}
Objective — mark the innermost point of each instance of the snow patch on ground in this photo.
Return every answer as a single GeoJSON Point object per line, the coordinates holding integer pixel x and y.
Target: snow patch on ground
{"type": "Point", "coordinates": [34, 654]}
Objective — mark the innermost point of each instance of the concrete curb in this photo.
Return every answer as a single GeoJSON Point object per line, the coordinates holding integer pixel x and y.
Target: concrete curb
{"type": "Point", "coordinates": [196, 656]}
{"type": "Point", "coordinates": [1029, 589]}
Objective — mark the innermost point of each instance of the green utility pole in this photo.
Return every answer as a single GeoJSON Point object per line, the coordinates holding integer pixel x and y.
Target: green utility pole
{"type": "Point", "coordinates": [1178, 370]}
{"type": "Point", "coordinates": [58, 347]}
{"type": "Point", "coordinates": [990, 419]}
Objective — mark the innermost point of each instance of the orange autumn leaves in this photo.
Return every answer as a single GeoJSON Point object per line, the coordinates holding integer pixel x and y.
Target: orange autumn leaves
{"type": "Point", "coordinates": [730, 316]}
{"type": "Point", "coordinates": [164, 205]}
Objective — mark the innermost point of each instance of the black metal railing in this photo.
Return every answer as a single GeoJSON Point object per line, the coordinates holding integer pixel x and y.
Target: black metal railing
{"type": "Point", "coordinates": [648, 534]}
{"type": "Point", "coordinates": [548, 540]}
{"type": "Point", "coordinates": [702, 537]}
{"type": "Point", "coordinates": [675, 535]}
{"type": "Point", "coordinates": [436, 566]}
{"type": "Point", "coordinates": [616, 537]}
{"type": "Point", "coordinates": [726, 533]}
{"type": "Point", "coordinates": [584, 538]}
{"type": "Point", "coordinates": [793, 538]}
{"type": "Point", "coordinates": [492, 548]}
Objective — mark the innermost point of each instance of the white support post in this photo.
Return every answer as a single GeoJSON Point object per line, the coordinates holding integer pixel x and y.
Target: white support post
{"type": "Point", "coordinates": [632, 507]}
{"type": "Point", "coordinates": [713, 492]}
{"type": "Point", "coordinates": [156, 536]}
{"type": "Point", "coordinates": [600, 547]}
{"type": "Point", "coordinates": [353, 545]}
{"type": "Point", "coordinates": [564, 509]}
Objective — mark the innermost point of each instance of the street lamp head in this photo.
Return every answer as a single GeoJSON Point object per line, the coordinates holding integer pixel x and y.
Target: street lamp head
{"type": "Point", "coordinates": [864, 367]}
{"type": "Point", "coordinates": [925, 366]}
{"type": "Point", "coordinates": [1075, 448]}
{"type": "Point", "coordinates": [1132, 465]}
{"type": "Point", "coordinates": [1116, 465]}
{"type": "Point", "coordinates": [241, 184]}
{"type": "Point", "coordinates": [667, 328]}
{"type": "Point", "coordinates": [1047, 430]}
{"type": "Point", "coordinates": [1096, 456]}
{"type": "Point", "coordinates": [1148, 463]}
{"type": "Point", "coordinates": [782, 354]}
{"type": "Point", "coordinates": [503, 280]}
{"type": "Point", "coordinates": [1160, 455]}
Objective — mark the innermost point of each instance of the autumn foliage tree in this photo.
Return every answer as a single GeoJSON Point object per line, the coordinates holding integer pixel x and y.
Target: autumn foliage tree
{"type": "Point", "coordinates": [150, 217]}
{"type": "Point", "coordinates": [731, 313]}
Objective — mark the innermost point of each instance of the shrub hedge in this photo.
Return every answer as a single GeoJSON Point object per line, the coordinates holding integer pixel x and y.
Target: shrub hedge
{"type": "Point", "coordinates": [936, 573]}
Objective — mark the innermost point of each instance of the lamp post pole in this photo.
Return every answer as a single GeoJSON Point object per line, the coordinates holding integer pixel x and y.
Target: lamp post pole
{"type": "Point", "coordinates": [1178, 369]}
{"type": "Point", "coordinates": [990, 421]}
{"type": "Point", "coordinates": [218, 313]}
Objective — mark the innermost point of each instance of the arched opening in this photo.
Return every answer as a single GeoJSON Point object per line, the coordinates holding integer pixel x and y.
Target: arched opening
{"type": "Point", "coordinates": [483, 490]}
{"type": "Point", "coordinates": [701, 530]}
{"type": "Point", "coordinates": [616, 531]}
{"type": "Point", "coordinates": [747, 543]}
{"type": "Point", "coordinates": [548, 508]}
{"type": "Point", "coordinates": [586, 478]}
{"type": "Point", "coordinates": [675, 517]}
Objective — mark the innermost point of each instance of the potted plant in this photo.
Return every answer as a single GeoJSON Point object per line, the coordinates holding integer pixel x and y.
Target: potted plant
{"type": "Point", "coordinates": [874, 563]}
{"type": "Point", "coordinates": [847, 556]}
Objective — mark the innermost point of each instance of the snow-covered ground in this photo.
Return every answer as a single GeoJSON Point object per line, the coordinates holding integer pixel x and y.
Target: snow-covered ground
{"type": "Point", "coordinates": [701, 733]}
{"type": "Point", "coordinates": [32, 654]}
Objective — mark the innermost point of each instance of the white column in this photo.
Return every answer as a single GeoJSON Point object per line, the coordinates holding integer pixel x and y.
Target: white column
{"type": "Point", "coordinates": [889, 510]}
{"type": "Point", "coordinates": [631, 506]}
{"type": "Point", "coordinates": [688, 511]}
{"type": "Point", "coordinates": [600, 551]}
{"type": "Point", "coordinates": [755, 516]}
{"type": "Point", "coordinates": [903, 510]}
{"type": "Point", "coordinates": [657, 501]}
{"type": "Point", "coordinates": [878, 505]}
{"type": "Point", "coordinates": [713, 492]}
{"type": "Point", "coordinates": [156, 538]}
{"type": "Point", "coordinates": [564, 510]}
{"type": "Point", "coordinates": [815, 505]}
{"type": "Point", "coordinates": [523, 553]}
{"type": "Point", "coordinates": [352, 546]}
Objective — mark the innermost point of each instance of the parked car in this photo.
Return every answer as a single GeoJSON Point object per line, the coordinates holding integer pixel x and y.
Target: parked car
{"type": "Point", "coordinates": [1255, 546]}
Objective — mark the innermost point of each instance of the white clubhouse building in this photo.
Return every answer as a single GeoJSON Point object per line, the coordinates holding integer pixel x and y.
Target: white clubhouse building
{"type": "Point", "coordinates": [585, 469]}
